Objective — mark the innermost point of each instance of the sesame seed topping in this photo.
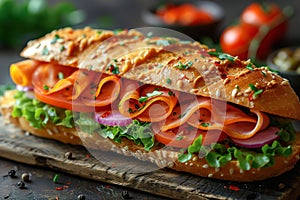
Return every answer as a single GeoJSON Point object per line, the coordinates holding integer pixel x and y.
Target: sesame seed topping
{"type": "Point", "coordinates": [205, 166]}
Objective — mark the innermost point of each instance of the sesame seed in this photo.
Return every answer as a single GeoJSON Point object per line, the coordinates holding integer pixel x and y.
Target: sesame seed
{"type": "Point", "coordinates": [210, 175]}
{"type": "Point", "coordinates": [205, 166]}
{"type": "Point", "coordinates": [234, 92]}
{"type": "Point", "coordinates": [231, 171]}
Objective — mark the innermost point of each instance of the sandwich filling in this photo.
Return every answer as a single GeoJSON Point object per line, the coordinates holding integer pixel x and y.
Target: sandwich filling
{"type": "Point", "coordinates": [152, 116]}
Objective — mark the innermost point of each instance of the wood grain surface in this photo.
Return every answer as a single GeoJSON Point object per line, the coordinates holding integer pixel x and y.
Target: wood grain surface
{"type": "Point", "coordinates": [124, 171]}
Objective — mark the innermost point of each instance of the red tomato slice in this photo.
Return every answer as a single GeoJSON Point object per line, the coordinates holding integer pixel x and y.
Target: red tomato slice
{"type": "Point", "coordinates": [59, 100]}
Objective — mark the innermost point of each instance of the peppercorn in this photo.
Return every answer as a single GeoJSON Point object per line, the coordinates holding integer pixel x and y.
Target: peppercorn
{"type": "Point", "coordinates": [81, 197]}
{"type": "Point", "coordinates": [125, 194]}
{"type": "Point", "coordinates": [21, 184]}
{"type": "Point", "coordinates": [25, 177]}
{"type": "Point", "coordinates": [11, 173]}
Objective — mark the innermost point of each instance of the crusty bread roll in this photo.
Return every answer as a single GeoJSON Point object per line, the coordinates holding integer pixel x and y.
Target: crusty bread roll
{"type": "Point", "coordinates": [138, 55]}
{"type": "Point", "coordinates": [205, 74]}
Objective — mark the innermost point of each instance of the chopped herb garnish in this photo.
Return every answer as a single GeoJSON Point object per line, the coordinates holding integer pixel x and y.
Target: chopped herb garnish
{"type": "Point", "coordinates": [168, 81]}
{"type": "Point", "coordinates": [264, 73]}
{"type": "Point", "coordinates": [46, 87]}
{"type": "Point", "coordinates": [45, 51]}
{"type": "Point", "coordinates": [222, 56]}
{"type": "Point", "coordinates": [249, 66]}
{"type": "Point", "coordinates": [205, 124]}
{"type": "Point", "coordinates": [149, 95]}
{"type": "Point", "coordinates": [143, 99]}
{"type": "Point", "coordinates": [55, 178]}
{"type": "Point", "coordinates": [60, 75]}
{"type": "Point", "coordinates": [170, 93]}
{"type": "Point", "coordinates": [56, 37]}
{"type": "Point", "coordinates": [256, 90]}
{"type": "Point", "coordinates": [130, 110]}
{"type": "Point", "coordinates": [182, 66]}
{"type": "Point", "coordinates": [113, 68]}
{"type": "Point", "coordinates": [179, 137]}
{"type": "Point", "coordinates": [99, 32]}
{"type": "Point", "coordinates": [62, 48]}
{"type": "Point", "coordinates": [252, 87]}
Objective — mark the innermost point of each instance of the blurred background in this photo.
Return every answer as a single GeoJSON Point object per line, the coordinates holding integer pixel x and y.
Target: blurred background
{"type": "Point", "coordinates": [22, 20]}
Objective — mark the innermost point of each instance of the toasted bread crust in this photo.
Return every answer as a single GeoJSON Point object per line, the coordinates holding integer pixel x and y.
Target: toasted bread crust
{"type": "Point", "coordinates": [148, 61]}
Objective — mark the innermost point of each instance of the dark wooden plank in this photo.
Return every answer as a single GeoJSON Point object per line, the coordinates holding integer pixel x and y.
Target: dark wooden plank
{"type": "Point", "coordinates": [129, 172]}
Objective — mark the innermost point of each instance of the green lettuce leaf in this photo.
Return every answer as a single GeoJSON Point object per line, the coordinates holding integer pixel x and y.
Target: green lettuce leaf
{"type": "Point", "coordinates": [39, 114]}
{"type": "Point", "coordinates": [139, 132]}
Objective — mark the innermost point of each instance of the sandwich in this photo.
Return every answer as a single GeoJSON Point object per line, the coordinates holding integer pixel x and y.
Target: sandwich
{"type": "Point", "coordinates": [176, 103]}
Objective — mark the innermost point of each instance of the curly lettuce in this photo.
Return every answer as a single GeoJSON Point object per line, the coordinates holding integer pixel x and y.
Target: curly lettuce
{"type": "Point", "coordinates": [218, 155]}
{"type": "Point", "coordinates": [38, 114]}
{"type": "Point", "coordinates": [139, 132]}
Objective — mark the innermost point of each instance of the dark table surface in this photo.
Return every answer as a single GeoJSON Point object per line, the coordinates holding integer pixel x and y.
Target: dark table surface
{"type": "Point", "coordinates": [124, 14]}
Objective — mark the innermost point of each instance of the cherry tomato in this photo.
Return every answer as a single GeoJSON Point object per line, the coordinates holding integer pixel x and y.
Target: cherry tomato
{"type": "Point", "coordinates": [235, 40]}
{"type": "Point", "coordinates": [266, 17]}
{"type": "Point", "coordinates": [184, 14]}
{"type": "Point", "coordinates": [261, 25]}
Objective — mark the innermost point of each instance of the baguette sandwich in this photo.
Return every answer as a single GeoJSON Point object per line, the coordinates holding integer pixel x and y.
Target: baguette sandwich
{"type": "Point", "coordinates": [178, 104]}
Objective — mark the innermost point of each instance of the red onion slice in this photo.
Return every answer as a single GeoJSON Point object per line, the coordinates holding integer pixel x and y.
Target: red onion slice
{"type": "Point", "coordinates": [24, 88]}
{"type": "Point", "coordinates": [112, 118]}
{"type": "Point", "coordinates": [261, 138]}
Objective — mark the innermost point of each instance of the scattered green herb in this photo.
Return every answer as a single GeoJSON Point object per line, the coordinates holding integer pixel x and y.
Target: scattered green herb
{"type": "Point", "coordinates": [55, 178]}
{"type": "Point", "coordinates": [56, 37]}
{"type": "Point", "coordinates": [60, 75]}
{"type": "Point", "coordinates": [46, 87]}
{"type": "Point", "coordinates": [45, 51]}
{"type": "Point", "coordinates": [149, 95]}
{"type": "Point", "coordinates": [222, 56]}
{"type": "Point", "coordinates": [168, 81]}
{"type": "Point", "coordinates": [182, 66]}
{"type": "Point", "coordinates": [255, 90]}
{"type": "Point", "coordinates": [250, 67]}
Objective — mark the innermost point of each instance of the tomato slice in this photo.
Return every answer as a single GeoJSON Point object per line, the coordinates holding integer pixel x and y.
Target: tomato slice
{"type": "Point", "coordinates": [59, 100]}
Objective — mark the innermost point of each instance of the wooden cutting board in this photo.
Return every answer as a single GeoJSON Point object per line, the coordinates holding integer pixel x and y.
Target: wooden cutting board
{"type": "Point", "coordinates": [17, 146]}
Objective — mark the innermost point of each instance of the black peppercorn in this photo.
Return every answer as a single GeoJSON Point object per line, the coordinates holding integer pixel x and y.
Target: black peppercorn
{"type": "Point", "coordinates": [81, 197]}
{"type": "Point", "coordinates": [125, 194]}
{"type": "Point", "coordinates": [21, 184]}
{"type": "Point", "coordinates": [12, 173]}
{"type": "Point", "coordinates": [25, 177]}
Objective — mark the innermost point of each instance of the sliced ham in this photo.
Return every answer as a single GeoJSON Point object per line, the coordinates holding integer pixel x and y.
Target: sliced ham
{"type": "Point", "coordinates": [21, 72]}
{"type": "Point", "coordinates": [147, 103]}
